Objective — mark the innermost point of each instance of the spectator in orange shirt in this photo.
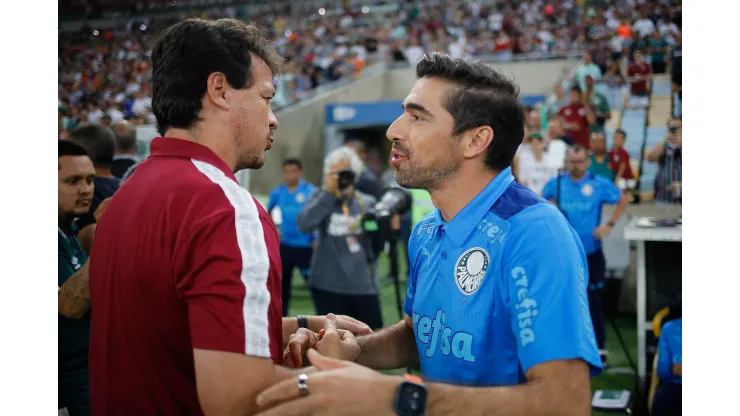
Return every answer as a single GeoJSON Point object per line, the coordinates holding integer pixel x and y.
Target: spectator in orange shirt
{"type": "Point", "coordinates": [357, 64]}
{"type": "Point", "coordinates": [619, 160]}
{"type": "Point", "coordinates": [624, 30]}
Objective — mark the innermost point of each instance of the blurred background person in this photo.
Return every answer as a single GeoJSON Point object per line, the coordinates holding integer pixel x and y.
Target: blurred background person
{"type": "Point", "coordinates": [639, 75]}
{"type": "Point", "coordinates": [658, 47]}
{"type": "Point", "coordinates": [619, 159]}
{"type": "Point", "coordinates": [367, 182]}
{"type": "Point", "coordinates": [668, 156]}
{"type": "Point", "coordinates": [76, 186]}
{"type": "Point", "coordinates": [578, 116]}
{"type": "Point", "coordinates": [602, 109]}
{"type": "Point", "coordinates": [343, 277]}
{"type": "Point", "coordinates": [556, 141]}
{"type": "Point", "coordinates": [534, 167]}
{"type": "Point", "coordinates": [667, 398]}
{"type": "Point", "coordinates": [580, 195]}
{"type": "Point", "coordinates": [615, 82]}
{"type": "Point", "coordinates": [675, 57]}
{"type": "Point", "coordinates": [126, 148]}
{"type": "Point", "coordinates": [587, 68]}
{"type": "Point", "coordinates": [295, 246]}
{"type": "Point", "coordinates": [600, 164]}
{"type": "Point", "coordinates": [100, 143]}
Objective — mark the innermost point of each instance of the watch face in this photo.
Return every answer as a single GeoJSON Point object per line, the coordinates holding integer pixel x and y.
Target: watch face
{"type": "Point", "coordinates": [412, 399]}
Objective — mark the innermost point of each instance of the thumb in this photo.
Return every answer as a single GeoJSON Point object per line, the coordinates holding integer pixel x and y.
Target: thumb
{"type": "Point", "coordinates": [330, 324]}
{"type": "Point", "coordinates": [324, 363]}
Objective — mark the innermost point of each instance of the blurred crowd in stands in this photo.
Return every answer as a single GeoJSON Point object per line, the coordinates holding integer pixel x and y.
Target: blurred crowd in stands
{"type": "Point", "coordinates": [104, 74]}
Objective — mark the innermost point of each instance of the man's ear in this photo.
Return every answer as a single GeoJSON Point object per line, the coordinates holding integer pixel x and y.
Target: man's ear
{"type": "Point", "coordinates": [217, 89]}
{"type": "Point", "coordinates": [476, 141]}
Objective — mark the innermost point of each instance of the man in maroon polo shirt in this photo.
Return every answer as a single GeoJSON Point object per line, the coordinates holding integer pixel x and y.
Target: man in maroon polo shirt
{"type": "Point", "coordinates": [579, 115]}
{"type": "Point", "coordinates": [186, 276]}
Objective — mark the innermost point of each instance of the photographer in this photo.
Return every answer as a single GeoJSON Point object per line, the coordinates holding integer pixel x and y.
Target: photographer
{"type": "Point", "coordinates": [342, 277]}
{"type": "Point", "coordinates": [669, 157]}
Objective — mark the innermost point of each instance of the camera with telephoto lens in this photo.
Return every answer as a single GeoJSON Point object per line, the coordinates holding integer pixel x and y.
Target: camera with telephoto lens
{"type": "Point", "coordinates": [345, 179]}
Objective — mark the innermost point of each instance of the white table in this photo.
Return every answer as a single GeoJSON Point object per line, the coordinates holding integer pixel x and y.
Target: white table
{"type": "Point", "coordinates": [641, 235]}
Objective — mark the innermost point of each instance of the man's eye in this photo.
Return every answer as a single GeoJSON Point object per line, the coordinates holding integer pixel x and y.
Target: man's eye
{"type": "Point", "coordinates": [415, 117]}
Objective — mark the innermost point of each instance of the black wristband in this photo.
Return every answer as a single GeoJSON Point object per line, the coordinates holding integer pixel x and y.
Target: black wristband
{"type": "Point", "coordinates": [302, 321]}
{"type": "Point", "coordinates": [610, 223]}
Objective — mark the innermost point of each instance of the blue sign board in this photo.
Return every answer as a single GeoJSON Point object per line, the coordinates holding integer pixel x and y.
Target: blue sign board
{"type": "Point", "coordinates": [381, 113]}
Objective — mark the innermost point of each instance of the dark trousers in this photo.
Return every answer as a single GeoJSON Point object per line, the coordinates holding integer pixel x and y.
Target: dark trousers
{"type": "Point", "coordinates": [293, 257]}
{"type": "Point", "coordinates": [667, 400]}
{"type": "Point", "coordinates": [74, 395]}
{"type": "Point", "coordinates": [596, 275]}
{"type": "Point", "coordinates": [366, 308]}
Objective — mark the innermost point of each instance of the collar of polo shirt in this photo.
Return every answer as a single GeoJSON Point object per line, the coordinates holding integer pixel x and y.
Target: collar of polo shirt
{"type": "Point", "coordinates": [171, 147]}
{"type": "Point", "coordinates": [466, 220]}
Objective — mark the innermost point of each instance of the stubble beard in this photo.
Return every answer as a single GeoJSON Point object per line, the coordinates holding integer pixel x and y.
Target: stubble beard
{"type": "Point", "coordinates": [427, 178]}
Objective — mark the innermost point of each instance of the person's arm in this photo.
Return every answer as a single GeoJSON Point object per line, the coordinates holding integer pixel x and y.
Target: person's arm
{"type": "Point", "coordinates": [272, 201]}
{"type": "Point", "coordinates": [664, 359]}
{"type": "Point", "coordinates": [620, 171]}
{"type": "Point", "coordinates": [549, 191]}
{"type": "Point", "coordinates": [553, 388]}
{"type": "Point", "coordinates": [74, 293]}
{"type": "Point", "coordinates": [610, 194]}
{"type": "Point", "coordinates": [653, 154]}
{"type": "Point", "coordinates": [86, 235]}
{"type": "Point", "coordinates": [223, 282]}
{"type": "Point", "coordinates": [590, 114]}
{"type": "Point", "coordinates": [392, 347]}
{"type": "Point", "coordinates": [319, 206]}
{"type": "Point", "coordinates": [395, 345]}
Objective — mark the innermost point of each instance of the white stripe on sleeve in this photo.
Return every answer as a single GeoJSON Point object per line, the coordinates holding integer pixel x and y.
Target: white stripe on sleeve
{"type": "Point", "coordinates": [255, 260]}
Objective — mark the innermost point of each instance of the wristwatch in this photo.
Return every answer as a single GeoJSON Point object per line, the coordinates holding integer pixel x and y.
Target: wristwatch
{"type": "Point", "coordinates": [302, 321]}
{"type": "Point", "coordinates": [610, 223]}
{"type": "Point", "coordinates": [411, 397]}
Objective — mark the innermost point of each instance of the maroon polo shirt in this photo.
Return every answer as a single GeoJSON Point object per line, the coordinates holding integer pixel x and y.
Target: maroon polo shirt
{"type": "Point", "coordinates": [184, 258]}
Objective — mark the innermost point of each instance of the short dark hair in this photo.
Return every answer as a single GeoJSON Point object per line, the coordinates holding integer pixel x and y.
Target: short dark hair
{"type": "Point", "coordinates": [99, 142]}
{"type": "Point", "coordinates": [576, 88]}
{"type": "Point", "coordinates": [577, 148]}
{"type": "Point", "coordinates": [483, 96]}
{"type": "Point", "coordinates": [189, 51]}
{"type": "Point", "coordinates": [125, 136]}
{"type": "Point", "coordinates": [68, 148]}
{"type": "Point", "coordinates": [622, 132]}
{"type": "Point", "coordinates": [293, 161]}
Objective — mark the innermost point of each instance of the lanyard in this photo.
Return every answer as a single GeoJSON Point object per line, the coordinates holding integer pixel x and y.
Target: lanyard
{"type": "Point", "coordinates": [345, 209]}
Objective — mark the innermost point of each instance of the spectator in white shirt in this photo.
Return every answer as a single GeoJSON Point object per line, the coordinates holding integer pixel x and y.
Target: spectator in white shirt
{"type": "Point", "coordinates": [668, 30]}
{"type": "Point", "coordinates": [94, 113]}
{"type": "Point", "coordinates": [534, 167]}
{"type": "Point", "coordinates": [414, 52]}
{"type": "Point", "coordinates": [141, 103]}
{"type": "Point", "coordinates": [644, 26]}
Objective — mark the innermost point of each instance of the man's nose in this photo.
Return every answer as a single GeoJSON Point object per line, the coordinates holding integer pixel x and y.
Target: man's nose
{"type": "Point", "coordinates": [86, 188]}
{"type": "Point", "coordinates": [273, 121]}
{"type": "Point", "coordinates": [393, 133]}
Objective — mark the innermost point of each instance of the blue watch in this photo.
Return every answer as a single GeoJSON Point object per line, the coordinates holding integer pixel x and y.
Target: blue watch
{"type": "Point", "coordinates": [411, 397]}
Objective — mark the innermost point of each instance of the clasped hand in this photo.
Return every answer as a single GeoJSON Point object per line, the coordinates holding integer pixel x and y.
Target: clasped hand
{"type": "Point", "coordinates": [330, 342]}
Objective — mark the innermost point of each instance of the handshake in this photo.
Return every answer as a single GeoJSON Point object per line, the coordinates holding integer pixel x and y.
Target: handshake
{"type": "Point", "coordinates": [331, 341]}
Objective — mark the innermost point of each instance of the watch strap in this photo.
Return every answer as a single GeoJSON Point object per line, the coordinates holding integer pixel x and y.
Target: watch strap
{"type": "Point", "coordinates": [302, 321]}
{"type": "Point", "coordinates": [610, 223]}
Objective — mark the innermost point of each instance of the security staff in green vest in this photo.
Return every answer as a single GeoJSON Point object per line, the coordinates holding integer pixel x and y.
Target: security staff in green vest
{"type": "Point", "coordinates": [76, 187]}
